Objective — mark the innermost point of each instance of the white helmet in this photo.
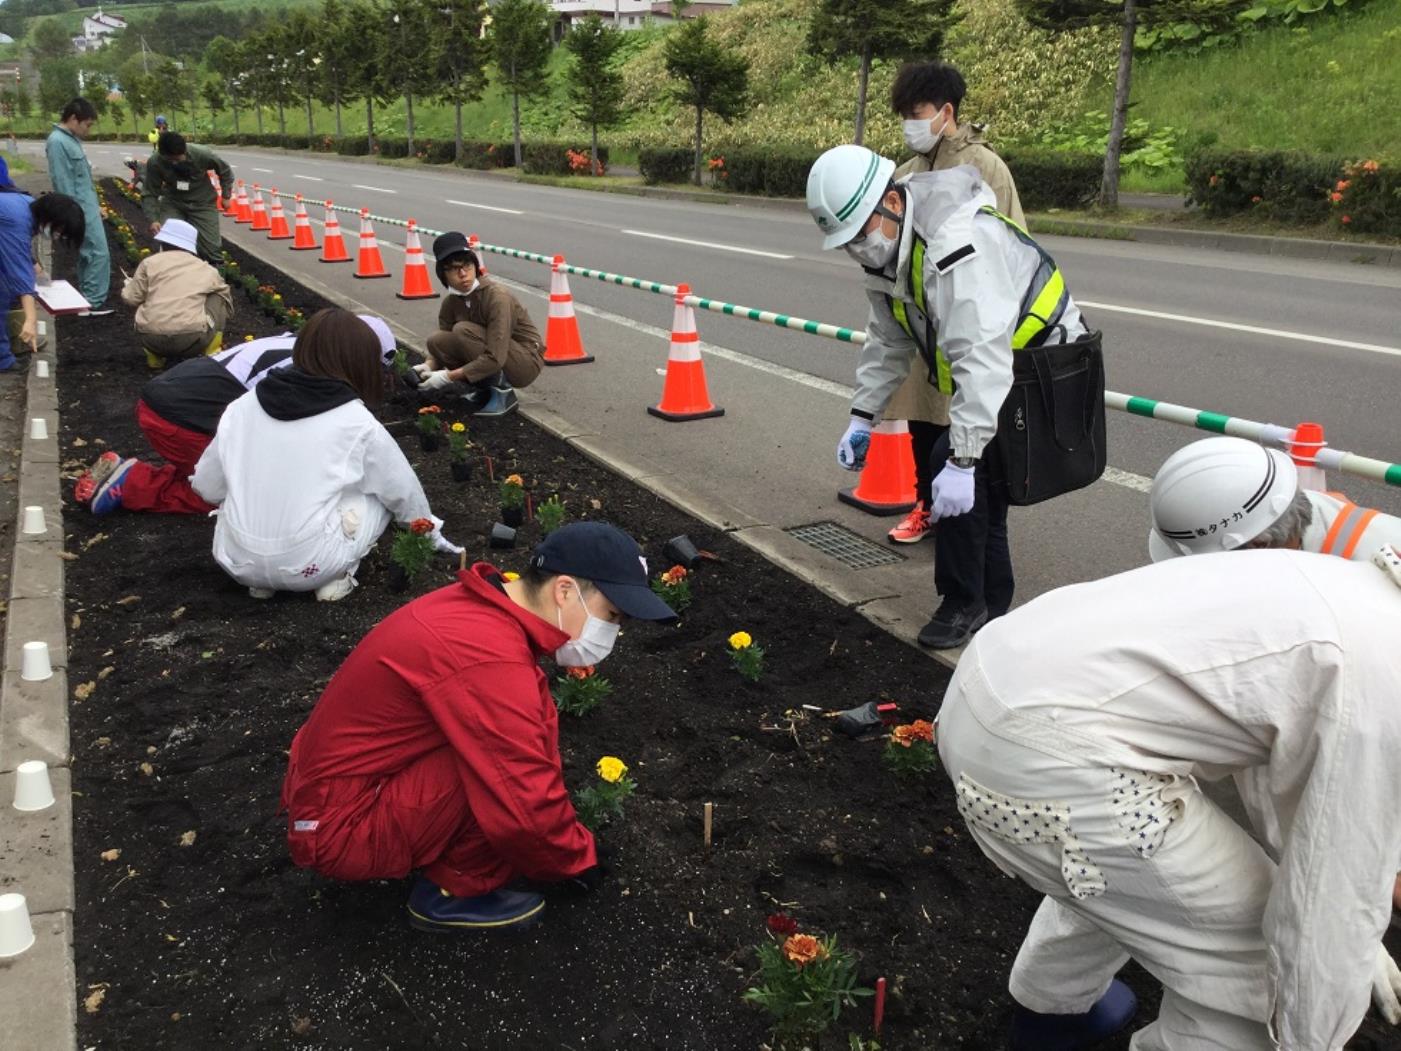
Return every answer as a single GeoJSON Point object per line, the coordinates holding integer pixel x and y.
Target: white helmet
{"type": "Point", "coordinates": [844, 187]}
{"type": "Point", "coordinates": [1217, 495]}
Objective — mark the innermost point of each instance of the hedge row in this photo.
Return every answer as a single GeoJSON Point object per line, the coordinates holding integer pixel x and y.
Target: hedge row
{"type": "Point", "coordinates": [1054, 178]}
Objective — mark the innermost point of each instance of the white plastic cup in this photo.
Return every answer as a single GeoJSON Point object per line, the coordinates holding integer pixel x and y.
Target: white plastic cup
{"type": "Point", "coordinates": [38, 428]}
{"type": "Point", "coordinates": [16, 932]}
{"type": "Point", "coordinates": [33, 520]}
{"type": "Point", "coordinates": [32, 788]}
{"type": "Point", "coordinates": [34, 662]}
{"type": "Point", "coordinates": [41, 369]}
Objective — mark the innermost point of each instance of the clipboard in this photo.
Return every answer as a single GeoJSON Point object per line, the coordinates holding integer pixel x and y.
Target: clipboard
{"type": "Point", "coordinates": [59, 297]}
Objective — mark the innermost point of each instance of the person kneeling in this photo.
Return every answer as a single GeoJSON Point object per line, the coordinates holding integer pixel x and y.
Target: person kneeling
{"type": "Point", "coordinates": [436, 744]}
{"type": "Point", "coordinates": [182, 304]}
{"type": "Point", "coordinates": [305, 477]}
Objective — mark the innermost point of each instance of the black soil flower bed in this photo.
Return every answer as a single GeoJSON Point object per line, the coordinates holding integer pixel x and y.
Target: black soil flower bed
{"type": "Point", "coordinates": [200, 932]}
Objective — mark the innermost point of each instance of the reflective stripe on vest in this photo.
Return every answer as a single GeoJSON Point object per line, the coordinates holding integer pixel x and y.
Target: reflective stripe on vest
{"type": "Point", "coordinates": [1347, 529]}
{"type": "Point", "coordinates": [1041, 308]}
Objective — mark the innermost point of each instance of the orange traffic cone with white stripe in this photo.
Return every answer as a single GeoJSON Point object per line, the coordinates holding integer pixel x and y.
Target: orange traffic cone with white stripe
{"type": "Point", "coordinates": [1303, 450]}
{"type": "Point", "coordinates": [260, 210]}
{"type": "Point", "coordinates": [243, 214]}
{"type": "Point", "coordinates": [278, 230]}
{"type": "Point", "coordinates": [562, 343]}
{"type": "Point", "coordinates": [370, 263]}
{"type": "Point", "coordinates": [887, 482]}
{"type": "Point", "coordinates": [333, 249]}
{"type": "Point", "coordinates": [474, 242]}
{"type": "Point", "coordinates": [416, 283]}
{"type": "Point", "coordinates": [304, 239]}
{"type": "Point", "coordinates": [231, 209]}
{"type": "Point", "coordinates": [684, 395]}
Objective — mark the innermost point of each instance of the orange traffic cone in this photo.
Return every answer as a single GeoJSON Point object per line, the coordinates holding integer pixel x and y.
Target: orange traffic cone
{"type": "Point", "coordinates": [260, 211]}
{"type": "Point", "coordinates": [305, 239]}
{"type": "Point", "coordinates": [887, 483]}
{"type": "Point", "coordinates": [562, 343]}
{"type": "Point", "coordinates": [231, 209]}
{"type": "Point", "coordinates": [278, 230]}
{"type": "Point", "coordinates": [370, 263]}
{"type": "Point", "coordinates": [244, 215]}
{"type": "Point", "coordinates": [684, 395]}
{"type": "Point", "coordinates": [473, 242]}
{"type": "Point", "coordinates": [1303, 450]}
{"type": "Point", "coordinates": [416, 283]}
{"type": "Point", "coordinates": [333, 251]}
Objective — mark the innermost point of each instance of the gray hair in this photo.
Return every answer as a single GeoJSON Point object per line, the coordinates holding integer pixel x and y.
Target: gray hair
{"type": "Point", "coordinates": [1288, 528]}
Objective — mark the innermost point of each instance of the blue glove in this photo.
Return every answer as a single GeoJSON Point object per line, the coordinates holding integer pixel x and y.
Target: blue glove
{"type": "Point", "coordinates": [952, 491]}
{"type": "Point", "coordinates": [851, 450]}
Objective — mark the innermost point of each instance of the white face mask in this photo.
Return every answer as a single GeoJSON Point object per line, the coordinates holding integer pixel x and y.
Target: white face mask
{"type": "Point", "coordinates": [594, 643]}
{"type": "Point", "coordinates": [466, 293]}
{"type": "Point", "coordinates": [874, 250]}
{"type": "Point", "coordinates": [919, 137]}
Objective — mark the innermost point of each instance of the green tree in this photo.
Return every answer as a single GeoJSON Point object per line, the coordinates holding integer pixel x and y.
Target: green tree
{"type": "Point", "coordinates": [51, 40]}
{"type": "Point", "coordinates": [221, 58]}
{"type": "Point", "coordinates": [301, 42]}
{"type": "Point", "coordinates": [136, 88]}
{"type": "Point", "coordinates": [1129, 15]}
{"type": "Point", "coordinates": [24, 105]}
{"type": "Point", "coordinates": [460, 57]}
{"type": "Point", "coordinates": [520, 39]}
{"type": "Point", "coordinates": [412, 31]}
{"type": "Point", "coordinates": [711, 77]}
{"type": "Point", "coordinates": [58, 84]}
{"type": "Point", "coordinates": [595, 84]}
{"type": "Point", "coordinates": [169, 86]}
{"type": "Point", "coordinates": [339, 51]}
{"type": "Point", "coordinates": [876, 29]}
{"type": "Point", "coordinates": [116, 113]}
{"type": "Point", "coordinates": [214, 94]}
{"type": "Point", "coordinates": [365, 77]}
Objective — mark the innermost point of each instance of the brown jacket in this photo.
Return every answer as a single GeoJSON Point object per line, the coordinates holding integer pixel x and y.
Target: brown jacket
{"type": "Point", "coordinates": [498, 312]}
{"type": "Point", "coordinates": [168, 291]}
{"type": "Point", "coordinates": [917, 398]}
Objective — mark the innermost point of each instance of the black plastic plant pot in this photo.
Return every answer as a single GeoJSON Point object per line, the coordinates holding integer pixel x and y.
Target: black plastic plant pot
{"type": "Point", "coordinates": [398, 578]}
{"type": "Point", "coordinates": [501, 536]}
{"type": "Point", "coordinates": [428, 442]}
{"type": "Point", "coordinates": [682, 551]}
{"type": "Point", "coordinates": [855, 722]}
{"type": "Point", "coordinates": [461, 471]}
{"type": "Point", "coordinates": [513, 516]}
{"type": "Point", "coordinates": [410, 378]}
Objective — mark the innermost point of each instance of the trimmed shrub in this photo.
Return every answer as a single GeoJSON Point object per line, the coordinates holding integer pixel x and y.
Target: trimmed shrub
{"type": "Point", "coordinates": [552, 158]}
{"type": "Point", "coordinates": [777, 172]}
{"type": "Point", "coordinates": [1286, 186]}
{"type": "Point", "coordinates": [786, 171]}
{"type": "Point", "coordinates": [1367, 199]}
{"type": "Point", "coordinates": [392, 147]}
{"type": "Point", "coordinates": [350, 146]}
{"type": "Point", "coordinates": [438, 152]}
{"type": "Point", "coordinates": [1054, 178]}
{"type": "Point", "coordinates": [666, 164]}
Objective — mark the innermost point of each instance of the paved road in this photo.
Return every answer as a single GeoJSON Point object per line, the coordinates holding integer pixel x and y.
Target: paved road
{"type": "Point", "coordinates": [1312, 340]}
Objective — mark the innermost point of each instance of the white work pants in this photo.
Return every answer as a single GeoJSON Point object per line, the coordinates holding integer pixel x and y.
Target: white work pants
{"type": "Point", "coordinates": [350, 533]}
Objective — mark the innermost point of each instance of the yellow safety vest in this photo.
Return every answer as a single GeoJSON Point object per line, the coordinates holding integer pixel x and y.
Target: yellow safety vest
{"type": "Point", "coordinates": [1041, 307]}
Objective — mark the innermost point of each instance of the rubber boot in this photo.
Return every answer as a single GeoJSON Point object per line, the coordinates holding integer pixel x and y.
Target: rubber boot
{"type": "Point", "coordinates": [1033, 1031]}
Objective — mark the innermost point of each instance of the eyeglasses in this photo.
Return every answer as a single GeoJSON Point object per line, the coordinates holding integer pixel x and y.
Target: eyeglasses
{"type": "Point", "coordinates": [458, 267]}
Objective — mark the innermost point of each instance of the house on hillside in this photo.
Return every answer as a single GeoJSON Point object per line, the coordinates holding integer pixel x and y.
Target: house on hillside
{"type": "Point", "coordinates": [5, 38]}
{"type": "Point", "coordinates": [97, 28]}
{"type": "Point", "coordinates": [624, 14]}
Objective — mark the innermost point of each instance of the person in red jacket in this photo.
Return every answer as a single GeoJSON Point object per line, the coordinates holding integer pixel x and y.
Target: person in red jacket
{"type": "Point", "coordinates": [436, 744]}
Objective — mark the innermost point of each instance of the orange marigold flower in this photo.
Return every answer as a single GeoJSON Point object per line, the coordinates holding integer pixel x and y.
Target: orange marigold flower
{"type": "Point", "coordinates": [429, 408]}
{"type": "Point", "coordinates": [919, 730]}
{"type": "Point", "coordinates": [674, 575]}
{"type": "Point", "coordinates": [513, 479]}
{"type": "Point", "coordinates": [421, 526]}
{"type": "Point", "coordinates": [585, 672]}
{"type": "Point", "coordinates": [1370, 166]}
{"type": "Point", "coordinates": [1343, 184]}
{"type": "Point", "coordinates": [803, 949]}
{"type": "Point", "coordinates": [1335, 197]}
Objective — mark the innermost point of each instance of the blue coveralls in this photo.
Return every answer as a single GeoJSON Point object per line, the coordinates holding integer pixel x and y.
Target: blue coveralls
{"type": "Point", "coordinates": [71, 174]}
{"type": "Point", "coordinates": [16, 261]}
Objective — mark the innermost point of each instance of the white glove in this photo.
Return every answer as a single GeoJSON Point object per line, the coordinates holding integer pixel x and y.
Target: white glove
{"type": "Point", "coordinates": [1386, 986]}
{"type": "Point", "coordinates": [952, 491]}
{"type": "Point", "coordinates": [851, 450]}
{"type": "Point", "coordinates": [423, 368]}
{"type": "Point", "coordinates": [435, 380]}
{"type": "Point", "coordinates": [444, 545]}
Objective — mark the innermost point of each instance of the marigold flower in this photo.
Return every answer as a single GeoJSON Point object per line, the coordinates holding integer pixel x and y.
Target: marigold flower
{"type": "Point", "coordinates": [782, 925]}
{"type": "Point", "coordinates": [611, 769]}
{"type": "Point", "coordinates": [1335, 197]}
{"type": "Point", "coordinates": [580, 673]}
{"type": "Point", "coordinates": [513, 479]}
{"type": "Point", "coordinates": [1370, 166]}
{"type": "Point", "coordinates": [741, 640]}
{"type": "Point", "coordinates": [429, 409]}
{"type": "Point", "coordinates": [421, 526]}
{"type": "Point", "coordinates": [1343, 184]}
{"type": "Point", "coordinates": [919, 730]}
{"type": "Point", "coordinates": [803, 949]}
{"type": "Point", "coordinates": [674, 575]}
{"type": "Point", "coordinates": [1347, 219]}
{"type": "Point", "coordinates": [458, 427]}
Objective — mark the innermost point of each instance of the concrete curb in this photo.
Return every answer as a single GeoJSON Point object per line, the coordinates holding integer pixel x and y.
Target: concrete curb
{"type": "Point", "coordinates": [39, 1009]}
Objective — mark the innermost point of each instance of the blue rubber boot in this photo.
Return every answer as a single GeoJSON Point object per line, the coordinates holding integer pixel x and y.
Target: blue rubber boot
{"type": "Point", "coordinates": [502, 400]}
{"type": "Point", "coordinates": [433, 909]}
{"type": "Point", "coordinates": [1032, 1031]}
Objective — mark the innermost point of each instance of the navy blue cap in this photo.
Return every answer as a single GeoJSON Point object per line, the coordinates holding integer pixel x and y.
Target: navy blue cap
{"type": "Point", "coordinates": [605, 555]}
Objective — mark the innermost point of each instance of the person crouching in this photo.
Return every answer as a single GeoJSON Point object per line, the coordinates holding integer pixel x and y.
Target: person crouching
{"type": "Point", "coordinates": [182, 304]}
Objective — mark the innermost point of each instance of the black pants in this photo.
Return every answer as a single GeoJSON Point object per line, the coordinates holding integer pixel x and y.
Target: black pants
{"type": "Point", "coordinates": [972, 560]}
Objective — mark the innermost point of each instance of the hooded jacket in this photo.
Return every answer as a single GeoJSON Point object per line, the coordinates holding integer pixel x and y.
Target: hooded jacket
{"type": "Point", "coordinates": [505, 320]}
{"type": "Point", "coordinates": [195, 393]}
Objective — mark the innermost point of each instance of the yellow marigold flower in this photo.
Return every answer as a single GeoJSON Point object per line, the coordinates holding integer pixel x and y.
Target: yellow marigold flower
{"type": "Point", "coordinates": [741, 640]}
{"type": "Point", "coordinates": [510, 575]}
{"type": "Point", "coordinates": [803, 949]}
{"type": "Point", "coordinates": [611, 769]}
{"type": "Point", "coordinates": [248, 338]}
{"type": "Point", "coordinates": [458, 427]}
{"type": "Point", "coordinates": [513, 479]}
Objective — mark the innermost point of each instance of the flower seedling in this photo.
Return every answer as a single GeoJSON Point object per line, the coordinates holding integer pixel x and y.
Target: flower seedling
{"type": "Point", "coordinates": [550, 514]}
{"type": "Point", "coordinates": [747, 657]}
{"type": "Point", "coordinates": [401, 362]}
{"type": "Point", "coordinates": [580, 690]}
{"type": "Point", "coordinates": [804, 982]}
{"type": "Point", "coordinates": [458, 442]}
{"type": "Point", "coordinates": [674, 587]}
{"type": "Point", "coordinates": [512, 491]}
{"type": "Point", "coordinates": [910, 752]}
{"type": "Point", "coordinates": [600, 803]}
{"type": "Point", "coordinates": [413, 547]}
{"type": "Point", "coordinates": [430, 421]}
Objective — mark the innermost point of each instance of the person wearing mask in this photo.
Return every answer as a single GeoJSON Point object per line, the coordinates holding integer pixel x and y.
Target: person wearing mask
{"type": "Point", "coordinates": [1077, 732]}
{"type": "Point", "coordinates": [175, 185]}
{"type": "Point", "coordinates": [485, 338]}
{"type": "Point", "coordinates": [182, 304]}
{"type": "Point", "coordinates": [21, 217]}
{"type": "Point", "coordinates": [926, 96]}
{"type": "Point", "coordinates": [178, 412]}
{"type": "Point", "coordinates": [304, 476]}
{"type": "Point", "coordinates": [71, 175]}
{"type": "Point", "coordinates": [435, 747]}
{"type": "Point", "coordinates": [952, 281]}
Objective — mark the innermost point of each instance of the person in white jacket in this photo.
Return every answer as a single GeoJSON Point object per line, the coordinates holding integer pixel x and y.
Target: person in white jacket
{"type": "Point", "coordinates": [304, 477]}
{"type": "Point", "coordinates": [1076, 731]}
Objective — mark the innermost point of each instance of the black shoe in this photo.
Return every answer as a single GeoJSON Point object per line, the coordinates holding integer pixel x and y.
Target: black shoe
{"type": "Point", "coordinates": [952, 626]}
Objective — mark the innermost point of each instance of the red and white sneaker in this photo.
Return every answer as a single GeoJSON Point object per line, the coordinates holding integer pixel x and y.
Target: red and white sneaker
{"type": "Point", "coordinates": [913, 528]}
{"type": "Point", "coordinates": [88, 482]}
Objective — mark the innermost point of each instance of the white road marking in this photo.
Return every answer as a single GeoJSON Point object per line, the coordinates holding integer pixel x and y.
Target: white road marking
{"type": "Point", "coordinates": [708, 244]}
{"type": "Point", "coordinates": [486, 207]}
{"type": "Point", "coordinates": [1277, 333]}
{"type": "Point", "coordinates": [308, 178]}
{"type": "Point", "coordinates": [375, 189]}
{"type": "Point", "coordinates": [265, 171]}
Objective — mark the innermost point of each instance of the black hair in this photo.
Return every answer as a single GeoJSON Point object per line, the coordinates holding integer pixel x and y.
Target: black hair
{"type": "Point", "coordinates": [336, 343]}
{"type": "Point", "coordinates": [442, 265]}
{"type": "Point", "coordinates": [80, 108]}
{"type": "Point", "coordinates": [171, 144]}
{"type": "Point", "coordinates": [61, 214]}
{"type": "Point", "coordinates": [935, 82]}
{"type": "Point", "coordinates": [536, 580]}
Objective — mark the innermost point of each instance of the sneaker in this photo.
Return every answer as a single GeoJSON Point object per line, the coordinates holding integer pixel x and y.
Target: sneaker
{"type": "Point", "coordinates": [261, 593]}
{"type": "Point", "coordinates": [336, 589]}
{"type": "Point", "coordinates": [913, 528]}
{"type": "Point", "coordinates": [1113, 1011]}
{"type": "Point", "coordinates": [952, 626]}
{"type": "Point", "coordinates": [433, 909]}
{"type": "Point", "coordinates": [94, 476]}
{"type": "Point", "coordinates": [109, 494]}
{"type": "Point", "coordinates": [502, 401]}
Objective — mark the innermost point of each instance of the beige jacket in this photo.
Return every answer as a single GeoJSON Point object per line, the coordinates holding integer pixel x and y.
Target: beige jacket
{"type": "Point", "coordinates": [917, 398]}
{"type": "Point", "coordinates": [168, 291]}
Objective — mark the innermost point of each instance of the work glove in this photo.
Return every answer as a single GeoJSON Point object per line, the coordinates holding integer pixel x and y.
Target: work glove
{"type": "Point", "coordinates": [952, 491]}
{"type": "Point", "coordinates": [435, 380]}
{"type": "Point", "coordinates": [851, 450]}
{"type": "Point", "coordinates": [1386, 986]}
{"type": "Point", "coordinates": [445, 546]}
{"type": "Point", "coordinates": [423, 368]}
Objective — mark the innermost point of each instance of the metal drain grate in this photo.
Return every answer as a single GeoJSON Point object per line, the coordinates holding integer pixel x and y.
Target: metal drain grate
{"type": "Point", "coordinates": [848, 548]}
